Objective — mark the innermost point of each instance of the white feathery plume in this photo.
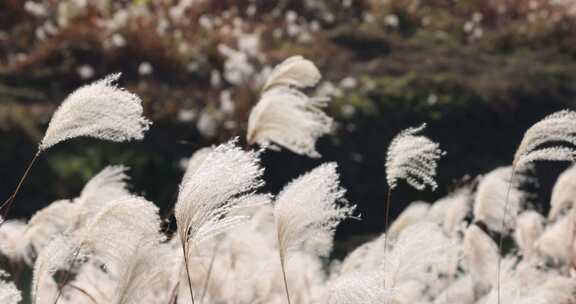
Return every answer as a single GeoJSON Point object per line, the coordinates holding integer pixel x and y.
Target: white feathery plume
{"type": "Point", "coordinates": [287, 117]}
{"type": "Point", "coordinates": [48, 223]}
{"type": "Point", "coordinates": [307, 212]}
{"type": "Point", "coordinates": [9, 294]}
{"type": "Point", "coordinates": [414, 213]}
{"type": "Point", "coordinates": [91, 282]}
{"type": "Point", "coordinates": [451, 210]}
{"type": "Point", "coordinates": [100, 110]}
{"type": "Point", "coordinates": [366, 257]}
{"type": "Point", "coordinates": [558, 128]}
{"type": "Point", "coordinates": [359, 287]}
{"type": "Point", "coordinates": [563, 193]}
{"type": "Point", "coordinates": [112, 236]}
{"type": "Point", "coordinates": [12, 244]}
{"type": "Point", "coordinates": [481, 256]}
{"type": "Point", "coordinates": [490, 200]}
{"type": "Point", "coordinates": [108, 185]}
{"type": "Point", "coordinates": [217, 186]}
{"type": "Point", "coordinates": [294, 71]}
{"type": "Point", "coordinates": [418, 248]}
{"type": "Point", "coordinates": [524, 283]}
{"type": "Point", "coordinates": [556, 241]}
{"type": "Point", "coordinates": [194, 162]}
{"type": "Point", "coordinates": [553, 290]}
{"type": "Point", "coordinates": [529, 227]}
{"type": "Point", "coordinates": [410, 292]}
{"type": "Point", "coordinates": [143, 278]}
{"type": "Point", "coordinates": [413, 158]}
{"type": "Point", "coordinates": [460, 291]}
{"type": "Point", "coordinates": [60, 253]}
{"type": "Point", "coordinates": [227, 174]}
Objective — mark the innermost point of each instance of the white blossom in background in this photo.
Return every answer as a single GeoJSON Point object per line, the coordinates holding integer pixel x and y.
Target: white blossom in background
{"type": "Point", "coordinates": [145, 69]}
{"type": "Point", "coordinates": [85, 71]}
{"type": "Point", "coordinates": [237, 67]}
{"type": "Point", "coordinates": [100, 110]}
{"type": "Point", "coordinates": [413, 158]}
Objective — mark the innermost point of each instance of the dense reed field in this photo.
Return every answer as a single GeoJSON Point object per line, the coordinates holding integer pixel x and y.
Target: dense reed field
{"type": "Point", "coordinates": [234, 244]}
{"type": "Point", "coordinates": [225, 238]}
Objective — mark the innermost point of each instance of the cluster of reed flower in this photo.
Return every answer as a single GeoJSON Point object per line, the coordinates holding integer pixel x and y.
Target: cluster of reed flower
{"type": "Point", "coordinates": [234, 244]}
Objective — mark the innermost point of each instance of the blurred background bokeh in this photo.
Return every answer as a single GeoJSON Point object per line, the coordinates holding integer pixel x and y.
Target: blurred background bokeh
{"type": "Point", "coordinates": [479, 72]}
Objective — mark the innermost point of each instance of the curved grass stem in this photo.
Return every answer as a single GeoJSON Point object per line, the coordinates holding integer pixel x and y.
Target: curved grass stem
{"type": "Point", "coordinates": [501, 236]}
{"type": "Point", "coordinates": [184, 251]}
{"type": "Point", "coordinates": [8, 202]}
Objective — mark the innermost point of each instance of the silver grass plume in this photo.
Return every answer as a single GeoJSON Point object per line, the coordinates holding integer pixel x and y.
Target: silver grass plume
{"type": "Point", "coordinates": [112, 237]}
{"type": "Point", "coordinates": [413, 158]}
{"type": "Point", "coordinates": [213, 190]}
{"type": "Point", "coordinates": [286, 117]}
{"type": "Point", "coordinates": [481, 255]}
{"type": "Point", "coordinates": [294, 71]}
{"type": "Point", "coordinates": [551, 139]}
{"type": "Point", "coordinates": [497, 192]}
{"type": "Point", "coordinates": [48, 223]}
{"type": "Point", "coordinates": [451, 210]}
{"type": "Point", "coordinates": [417, 249]}
{"type": "Point", "coordinates": [556, 242]}
{"type": "Point", "coordinates": [529, 227]}
{"type": "Point", "coordinates": [114, 234]}
{"type": "Point", "coordinates": [143, 279]}
{"type": "Point", "coordinates": [12, 245]}
{"type": "Point", "coordinates": [366, 257]}
{"type": "Point", "coordinates": [60, 253]}
{"type": "Point", "coordinates": [359, 287]}
{"type": "Point", "coordinates": [108, 185]}
{"type": "Point", "coordinates": [307, 212]}
{"type": "Point", "coordinates": [207, 196]}
{"type": "Point", "coordinates": [559, 129]}
{"type": "Point", "coordinates": [413, 214]}
{"type": "Point", "coordinates": [9, 294]}
{"type": "Point", "coordinates": [460, 291]}
{"type": "Point", "coordinates": [100, 110]}
{"type": "Point", "coordinates": [194, 162]}
{"type": "Point", "coordinates": [563, 193]}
